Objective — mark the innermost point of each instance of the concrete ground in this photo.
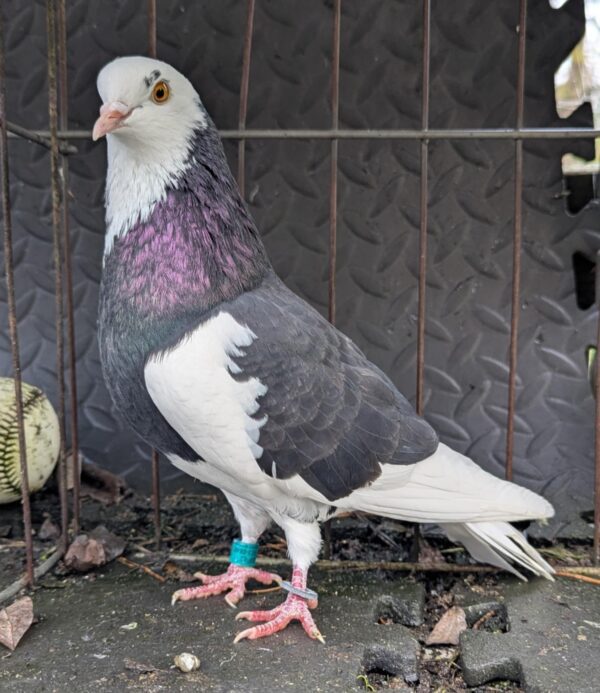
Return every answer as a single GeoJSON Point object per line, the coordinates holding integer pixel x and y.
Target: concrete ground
{"type": "Point", "coordinates": [115, 631]}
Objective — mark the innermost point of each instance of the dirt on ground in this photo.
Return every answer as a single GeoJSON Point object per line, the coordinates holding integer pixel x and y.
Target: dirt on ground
{"type": "Point", "coordinates": [202, 525]}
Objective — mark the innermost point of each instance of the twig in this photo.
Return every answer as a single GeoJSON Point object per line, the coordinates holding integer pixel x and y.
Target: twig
{"type": "Point", "coordinates": [578, 576]}
{"type": "Point", "coordinates": [376, 529]}
{"type": "Point", "coordinates": [36, 138]}
{"type": "Point", "coordinates": [276, 547]}
{"type": "Point", "coordinates": [345, 565]}
{"type": "Point", "coordinates": [139, 566]}
{"type": "Point", "coordinates": [396, 566]}
{"type": "Point", "coordinates": [264, 590]}
{"type": "Point", "coordinates": [142, 549]}
{"type": "Point", "coordinates": [484, 619]}
{"type": "Point", "coordinates": [16, 544]}
{"type": "Point", "coordinates": [41, 570]}
{"type": "Point", "coordinates": [590, 571]}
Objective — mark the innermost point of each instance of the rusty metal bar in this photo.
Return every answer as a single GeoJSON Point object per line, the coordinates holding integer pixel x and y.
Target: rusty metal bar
{"type": "Point", "coordinates": [517, 242]}
{"type": "Point", "coordinates": [244, 86]}
{"type": "Point", "coordinates": [423, 211]}
{"type": "Point", "coordinates": [376, 134]}
{"type": "Point", "coordinates": [12, 316]}
{"type": "Point", "coordinates": [68, 268]}
{"type": "Point", "coordinates": [154, 457]}
{"type": "Point", "coordinates": [596, 549]}
{"type": "Point", "coordinates": [55, 181]}
{"type": "Point", "coordinates": [596, 554]}
{"type": "Point", "coordinates": [151, 4]}
{"type": "Point", "coordinates": [36, 138]}
{"type": "Point", "coordinates": [333, 179]}
{"type": "Point", "coordinates": [156, 498]}
{"type": "Point", "coordinates": [333, 199]}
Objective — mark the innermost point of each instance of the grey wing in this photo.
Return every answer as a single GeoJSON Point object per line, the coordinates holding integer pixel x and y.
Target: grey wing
{"type": "Point", "coordinates": [333, 417]}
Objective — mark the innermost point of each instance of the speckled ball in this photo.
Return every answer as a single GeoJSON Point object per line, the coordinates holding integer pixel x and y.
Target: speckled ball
{"type": "Point", "coordinates": [42, 439]}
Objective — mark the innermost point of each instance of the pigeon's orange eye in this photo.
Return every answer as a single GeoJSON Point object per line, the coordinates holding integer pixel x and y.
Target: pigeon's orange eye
{"type": "Point", "coordinates": [160, 93]}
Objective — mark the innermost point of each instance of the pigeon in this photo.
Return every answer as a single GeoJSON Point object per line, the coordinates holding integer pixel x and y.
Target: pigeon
{"type": "Point", "coordinates": [240, 383]}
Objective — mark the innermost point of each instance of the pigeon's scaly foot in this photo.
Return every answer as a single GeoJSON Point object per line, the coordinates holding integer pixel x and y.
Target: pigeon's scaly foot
{"type": "Point", "coordinates": [294, 607]}
{"type": "Point", "coordinates": [234, 580]}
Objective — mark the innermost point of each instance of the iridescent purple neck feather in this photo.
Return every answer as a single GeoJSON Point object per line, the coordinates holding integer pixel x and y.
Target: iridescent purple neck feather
{"type": "Point", "coordinates": [198, 248]}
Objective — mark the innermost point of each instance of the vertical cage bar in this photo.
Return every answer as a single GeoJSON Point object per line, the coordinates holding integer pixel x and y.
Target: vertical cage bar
{"type": "Point", "coordinates": [55, 182]}
{"type": "Point", "coordinates": [517, 242]}
{"type": "Point", "coordinates": [156, 498]}
{"type": "Point", "coordinates": [596, 549]}
{"type": "Point", "coordinates": [151, 21]}
{"type": "Point", "coordinates": [151, 28]}
{"type": "Point", "coordinates": [333, 179]}
{"type": "Point", "coordinates": [12, 314]}
{"type": "Point", "coordinates": [423, 207]}
{"type": "Point", "coordinates": [244, 87]}
{"type": "Point", "coordinates": [71, 349]}
{"type": "Point", "coordinates": [333, 199]}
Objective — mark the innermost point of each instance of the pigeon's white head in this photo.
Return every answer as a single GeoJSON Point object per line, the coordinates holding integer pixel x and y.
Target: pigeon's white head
{"type": "Point", "coordinates": [144, 99]}
{"type": "Point", "coordinates": [149, 115]}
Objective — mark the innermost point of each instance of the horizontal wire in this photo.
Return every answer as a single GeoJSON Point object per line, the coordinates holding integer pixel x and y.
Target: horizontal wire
{"type": "Point", "coordinates": [375, 134]}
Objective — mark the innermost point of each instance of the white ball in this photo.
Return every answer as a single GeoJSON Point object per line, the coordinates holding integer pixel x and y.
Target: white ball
{"type": "Point", "coordinates": [42, 439]}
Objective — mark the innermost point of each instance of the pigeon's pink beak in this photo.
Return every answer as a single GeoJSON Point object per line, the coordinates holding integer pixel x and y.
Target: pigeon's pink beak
{"type": "Point", "coordinates": [111, 117]}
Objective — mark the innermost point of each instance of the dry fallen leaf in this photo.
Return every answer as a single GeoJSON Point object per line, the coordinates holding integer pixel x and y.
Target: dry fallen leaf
{"type": "Point", "coordinates": [429, 554]}
{"type": "Point", "coordinates": [15, 621]}
{"type": "Point", "coordinates": [94, 549]}
{"type": "Point", "coordinates": [48, 530]}
{"type": "Point", "coordinates": [101, 485]}
{"type": "Point", "coordinates": [173, 571]}
{"type": "Point", "coordinates": [448, 629]}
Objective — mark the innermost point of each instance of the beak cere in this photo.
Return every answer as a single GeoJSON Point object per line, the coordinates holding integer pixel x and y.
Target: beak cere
{"type": "Point", "coordinates": [111, 117]}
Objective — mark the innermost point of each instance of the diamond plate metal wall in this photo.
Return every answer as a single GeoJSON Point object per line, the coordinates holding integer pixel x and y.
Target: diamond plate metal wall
{"type": "Point", "coordinates": [473, 76]}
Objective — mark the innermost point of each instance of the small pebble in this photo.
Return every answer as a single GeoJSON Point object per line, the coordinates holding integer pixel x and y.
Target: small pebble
{"type": "Point", "coordinates": [187, 662]}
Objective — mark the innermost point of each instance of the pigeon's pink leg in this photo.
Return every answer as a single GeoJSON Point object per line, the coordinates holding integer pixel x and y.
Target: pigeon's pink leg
{"type": "Point", "coordinates": [234, 580]}
{"type": "Point", "coordinates": [293, 608]}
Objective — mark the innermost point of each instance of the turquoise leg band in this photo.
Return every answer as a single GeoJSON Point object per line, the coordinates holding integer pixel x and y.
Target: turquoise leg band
{"type": "Point", "coordinates": [243, 554]}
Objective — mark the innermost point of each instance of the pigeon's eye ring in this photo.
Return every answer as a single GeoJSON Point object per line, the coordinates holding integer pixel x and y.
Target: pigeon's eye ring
{"type": "Point", "coordinates": [160, 93]}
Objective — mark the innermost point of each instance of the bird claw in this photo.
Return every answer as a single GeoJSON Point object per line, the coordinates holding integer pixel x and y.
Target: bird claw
{"type": "Point", "coordinates": [275, 620]}
{"type": "Point", "coordinates": [230, 603]}
{"type": "Point", "coordinates": [233, 580]}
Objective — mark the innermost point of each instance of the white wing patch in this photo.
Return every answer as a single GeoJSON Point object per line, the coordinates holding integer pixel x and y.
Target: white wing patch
{"type": "Point", "coordinates": [193, 387]}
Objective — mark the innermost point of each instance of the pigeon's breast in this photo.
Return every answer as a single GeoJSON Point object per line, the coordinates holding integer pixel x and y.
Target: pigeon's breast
{"type": "Point", "coordinates": [194, 388]}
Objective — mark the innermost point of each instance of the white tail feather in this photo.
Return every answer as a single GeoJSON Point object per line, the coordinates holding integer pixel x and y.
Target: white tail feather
{"type": "Point", "coordinates": [473, 507]}
{"type": "Point", "coordinates": [493, 542]}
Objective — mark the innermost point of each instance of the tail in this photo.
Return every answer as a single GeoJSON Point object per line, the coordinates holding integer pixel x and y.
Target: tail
{"type": "Point", "coordinates": [471, 505]}
{"type": "Point", "coordinates": [497, 543]}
